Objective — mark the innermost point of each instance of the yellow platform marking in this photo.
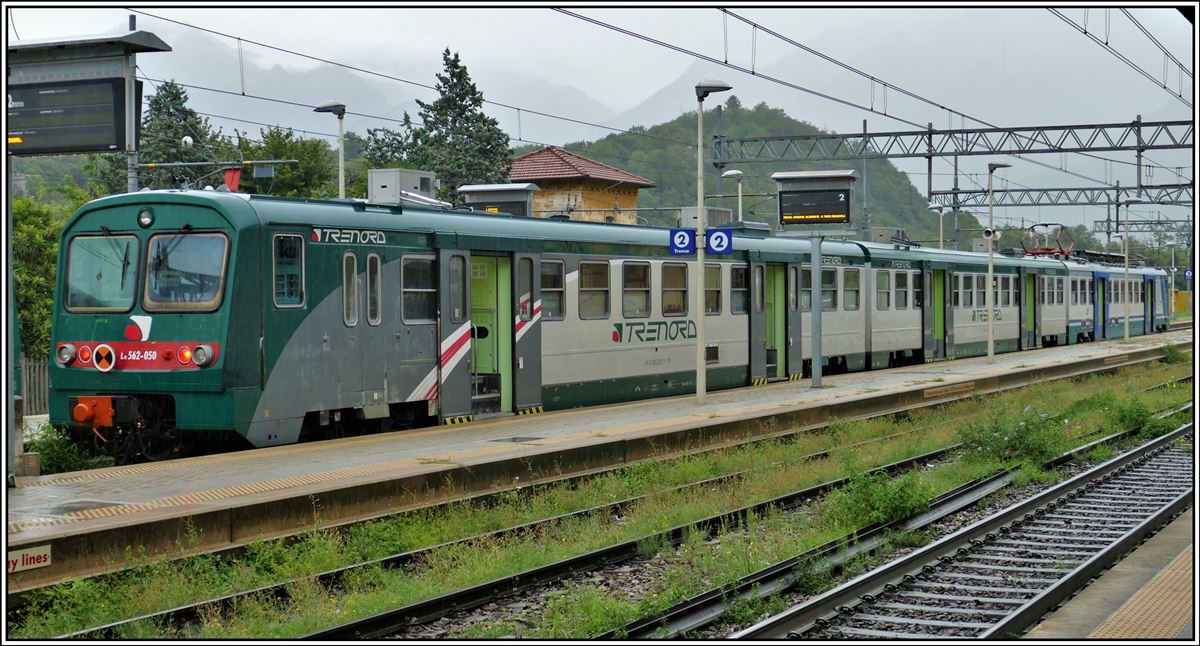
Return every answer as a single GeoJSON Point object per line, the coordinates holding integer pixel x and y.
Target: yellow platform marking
{"type": "Point", "coordinates": [1118, 359]}
{"type": "Point", "coordinates": [1160, 610]}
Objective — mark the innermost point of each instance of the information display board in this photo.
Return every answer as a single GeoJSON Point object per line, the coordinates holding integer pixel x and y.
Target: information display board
{"type": "Point", "coordinates": [66, 117]}
{"type": "Point", "coordinates": [817, 206]}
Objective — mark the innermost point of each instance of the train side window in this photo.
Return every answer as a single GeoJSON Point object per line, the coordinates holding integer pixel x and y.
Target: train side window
{"type": "Point", "coordinates": [981, 291]}
{"type": "Point", "coordinates": [883, 290]}
{"type": "Point", "coordinates": [1005, 291]}
{"type": "Point", "coordinates": [806, 290]}
{"type": "Point", "coordinates": [552, 290]}
{"type": "Point", "coordinates": [458, 289]}
{"type": "Point", "coordinates": [674, 290]}
{"type": "Point", "coordinates": [850, 289]}
{"type": "Point", "coordinates": [525, 289]}
{"type": "Point", "coordinates": [418, 286]}
{"type": "Point", "coordinates": [902, 290]}
{"type": "Point", "coordinates": [968, 290]}
{"type": "Point", "coordinates": [350, 289]}
{"type": "Point", "coordinates": [374, 290]}
{"type": "Point", "coordinates": [739, 290]}
{"type": "Point", "coordinates": [1089, 291]}
{"type": "Point", "coordinates": [955, 289]}
{"type": "Point", "coordinates": [760, 296]}
{"type": "Point", "coordinates": [593, 290]}
{"type": "Point", "coordinates": [918, 282]}
{"type": "Point", "coordinates": [828, 290]}
{"type": "Point", "coordinates": [289, 270]}
{"type": "Point", "coordinates": [1074, 292]}
{"type": "Point", "coordinates": [635, 294]}
{"type": "Point", "coordinates": [793, 288]}
{"type": "Point", "coordinates": [712, 289]}
{"type": "Point", "coordinates": [1058, 291]}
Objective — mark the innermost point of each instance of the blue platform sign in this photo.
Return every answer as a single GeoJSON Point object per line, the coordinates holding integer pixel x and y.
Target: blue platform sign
{"type": "Point", "coordinates": [719, 241]}
{"type": "Point", "coordinates": [683, 242]}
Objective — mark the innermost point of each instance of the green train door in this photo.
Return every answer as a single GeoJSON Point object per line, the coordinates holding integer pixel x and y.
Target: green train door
{"type": "Point", "coordinates": [491, 322]}
{"type": "Point", "coordinates": [776, 319]}
{"type": "Point", "coordinates": [1102, 308]}
{"type": "Point", "coordinates": [1031, 296]}
{"type": "Point", "coordinates": [937, 305]}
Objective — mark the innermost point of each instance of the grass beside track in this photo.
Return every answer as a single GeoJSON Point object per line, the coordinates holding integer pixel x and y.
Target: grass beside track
{"type": "Point", "coordinates": [1082, 408]}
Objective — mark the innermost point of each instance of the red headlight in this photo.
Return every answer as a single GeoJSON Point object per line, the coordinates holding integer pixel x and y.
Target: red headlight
{"type": "Point", "coordinates": [85, 354]}
{"type": "Point", "coordinates": [185, 354]}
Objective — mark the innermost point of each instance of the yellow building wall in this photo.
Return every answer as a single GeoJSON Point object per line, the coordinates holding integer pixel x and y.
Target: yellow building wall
{"type": "Point", "coordinates": [1181, 302]}
{"type": "Point", "coordinates": [586, 201]}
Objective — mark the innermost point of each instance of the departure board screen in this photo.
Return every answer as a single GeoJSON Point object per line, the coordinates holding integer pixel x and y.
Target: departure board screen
{"type": "Point", "coordinates": [66, 117]}
{"type": "Point", "coordinates": [814, 206]}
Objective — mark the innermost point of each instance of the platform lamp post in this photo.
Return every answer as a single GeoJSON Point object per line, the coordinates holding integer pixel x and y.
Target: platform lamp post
{"type": "Point", "coordinates": [703, 89]}
{"type": "Point", "coordinates": [990, 294]}
{"type": "Point", "coordinates": [1125, 249]}
{"type": "Point", "coordinates": [736, 174]}
{"type": "Point", "coordinates": [939, 208]}
{"type": "Point", "coordinates": [338, 108]}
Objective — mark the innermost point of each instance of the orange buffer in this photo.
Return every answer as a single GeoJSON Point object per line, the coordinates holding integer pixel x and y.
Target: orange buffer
{"type": "Point", "coordinates": [97, 410]}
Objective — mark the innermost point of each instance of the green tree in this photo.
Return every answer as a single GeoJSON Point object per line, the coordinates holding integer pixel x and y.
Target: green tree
{"type": "Point", "coordinates": [456, 139]}
{"type": "Point", "coordinates": [167, 121]}
{"type": "Point", "coordinates": [106, 173]}
{"type": "Point", "coordinates": [315, 176]}
{"type": "Point", "coordinates": [37, 223]}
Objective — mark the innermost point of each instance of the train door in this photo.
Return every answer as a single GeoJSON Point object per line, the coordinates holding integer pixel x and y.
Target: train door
{"type": "Point", "coordinates": [454, 329]}
{"type": "Point", "coordinates": [1148, 305]}
{"type": "Point", "coordinates": [491, 348]}
{"type": "Point", "coordinates": [350, 354]}
{"type": "Point", "coordinates": [1101, 306]}
{"type": "Point", "coordinates": [795, 349]}
{"type": "Point", "coordinates": [758, 322]}
{"type": "Point", "coordinates": [775, 315]}
{"type": "Point", "coordinates": [935, 314]}
{"type": "Point", "coordinates": [374, 342]}
{"type": "Point", "coordinates": [527, 333]}
{"type": "Point", "coordinates": [1028, 299]}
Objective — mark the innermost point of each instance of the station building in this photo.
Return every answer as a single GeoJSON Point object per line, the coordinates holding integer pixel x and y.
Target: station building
{"type": "Point", "coordinates": [574, 187]}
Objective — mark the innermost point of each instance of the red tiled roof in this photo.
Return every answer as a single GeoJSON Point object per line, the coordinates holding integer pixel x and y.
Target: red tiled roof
{"type": "Point", "coordinates": [553, 162]}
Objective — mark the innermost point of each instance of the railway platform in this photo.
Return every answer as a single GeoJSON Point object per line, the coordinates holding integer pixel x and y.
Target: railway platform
{"type": "Point", "coordinates": [1147, 595]}
{"type": "Point", "coordinates": [83, 523]}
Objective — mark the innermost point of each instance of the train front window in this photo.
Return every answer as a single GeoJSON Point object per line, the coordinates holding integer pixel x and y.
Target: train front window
{"type": "Point", "coordinates": [185, 271]}
{"type": "Point", "coordinates": [101, 273]}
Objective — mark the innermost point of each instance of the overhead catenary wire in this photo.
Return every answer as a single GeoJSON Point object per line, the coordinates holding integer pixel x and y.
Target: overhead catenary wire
{"type": "Point", "coordinates": [403, 80]}
{"type": "Point", "coordinates": [1155, 41]}
{"type": "Point", "coordinates": [886, 85]}
{"type": "Point", "coordinates": [1120, 56]}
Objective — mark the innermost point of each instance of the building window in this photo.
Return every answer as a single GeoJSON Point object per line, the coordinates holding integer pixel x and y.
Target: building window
{"type": "Point", "coordinates": [374, 290]}
{"type": "Point", "coordinates": [902, 290]}
{"type": "Point", "coordinates": [712, 289]}
{"type": "Point", "coordinates": [635, 296]}
{"type": "Point", "coordinates": [850, 288]}
{"type": "Point", "coordinates": [350, 289]}
{"type": "Point", "coordinates": [593, 290]}
{"type": "Point", "coordinates": [739, 290]}
{"type": "Point", "coordinates": [674, 290]}
{"type": "Point", "coordinates": [418, 286]}
{"type": "Point", "coordinates": [883, 290]}
{"type": "Point", "coordinates": [552, 290]}
{"type": "Point", "coordinates": [289, 270]}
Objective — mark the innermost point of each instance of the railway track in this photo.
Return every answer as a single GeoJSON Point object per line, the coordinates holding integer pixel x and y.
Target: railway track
{"type": "Point", "coordinates": [994, 579]}
{"type": "Point", "coordinates": [180, 618]}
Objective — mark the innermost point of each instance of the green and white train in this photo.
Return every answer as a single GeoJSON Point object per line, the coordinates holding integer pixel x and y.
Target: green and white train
{"type": "Point", "coordinates": [188, 319]}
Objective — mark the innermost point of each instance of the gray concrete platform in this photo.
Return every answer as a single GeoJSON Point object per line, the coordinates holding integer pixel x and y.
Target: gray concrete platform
{"type": "Point", "coordinates": [214, 502]}
{"type": "Point", "coordinates": [1147, 595]}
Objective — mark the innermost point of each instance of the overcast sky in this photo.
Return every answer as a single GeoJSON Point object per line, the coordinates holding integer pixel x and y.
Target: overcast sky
{"type": "Point", "coordinates": [1050, 73]}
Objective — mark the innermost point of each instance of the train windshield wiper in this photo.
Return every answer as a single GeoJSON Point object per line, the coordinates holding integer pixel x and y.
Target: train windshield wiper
{"type": "Point", "coordinates": [161, 258]}
{"type": "Point", "coordinates": [108, 235]}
